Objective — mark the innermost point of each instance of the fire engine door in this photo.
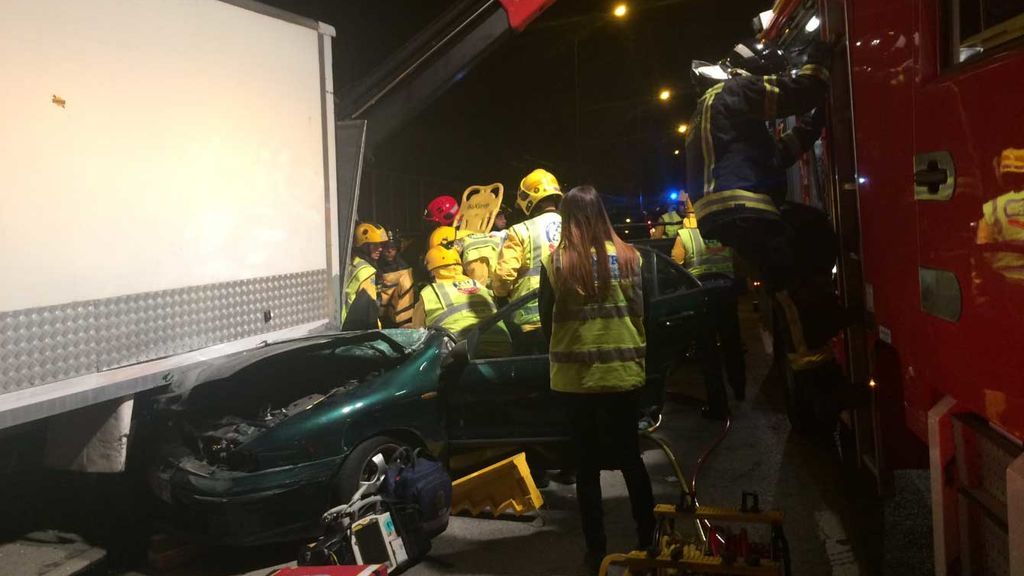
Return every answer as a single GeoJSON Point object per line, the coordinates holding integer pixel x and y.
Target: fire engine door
{"type": "Point", "coordinates": [968, 186]}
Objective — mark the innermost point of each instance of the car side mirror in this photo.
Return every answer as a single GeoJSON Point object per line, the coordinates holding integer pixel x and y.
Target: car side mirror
{"type": "Point", "coordinates": [459, 356]}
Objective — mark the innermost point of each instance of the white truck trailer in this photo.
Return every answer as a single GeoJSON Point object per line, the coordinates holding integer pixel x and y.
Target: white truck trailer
{"type": "Point", "coordinates": [169, 194]}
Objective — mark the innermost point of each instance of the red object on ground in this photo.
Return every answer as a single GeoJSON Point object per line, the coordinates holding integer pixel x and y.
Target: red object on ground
{"type": "Point", "coordinates": [522, 12]}
{"type": "Point", "coordinates": [375, 570]}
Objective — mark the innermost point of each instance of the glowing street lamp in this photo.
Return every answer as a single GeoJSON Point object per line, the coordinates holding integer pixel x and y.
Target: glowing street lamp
{"type": "Point", "coordinates": [682, 128]}
{"type": "Point", "coordinates": [664, 95]}
{"type": "Point", "coordinates": [675, 152]}
{"type": "Point", "coordinates": [620, 10]}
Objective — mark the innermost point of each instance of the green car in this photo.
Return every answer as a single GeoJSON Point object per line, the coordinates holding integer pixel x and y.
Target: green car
{"type": "Point", "coordinates": [254, 447]}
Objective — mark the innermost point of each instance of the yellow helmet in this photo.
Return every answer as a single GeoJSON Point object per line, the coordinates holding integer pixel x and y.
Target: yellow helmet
{"type": "Point", "coordinates": [441, 235]}
{"type": "Point", "coordinates": [445, 235]}
{"type": "Point", "coordinates": [440, 256]}
{"type": "Point", "coordinates": [537, 186]}
{"type": "Point", "coordinates": [370, 233]}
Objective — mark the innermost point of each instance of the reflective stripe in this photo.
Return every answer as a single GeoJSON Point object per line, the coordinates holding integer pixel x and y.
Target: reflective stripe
{"type": "Point", "coordinates": [733, 199]}
{"type": "Point", "coordinates": [811, 358]}
{"type": "Point", "coordinates": [599, 355]}
{"type": "Point", "coordinates": [476, 307]}
{"type": "Point", "coordinates": [815, 70]}
{"type": "Point", "coordinates": [594, 312]}
{"type": "Point", "coordinates": [442, 293]}
{"type": "Point", "coordinates": [707, 141]}
{"type": "Point", "coordinates": [796, 329]}
{"type": "Point", "coordinates": [802, 358]}
{"type": "Point", "coordinates": [771, 97]}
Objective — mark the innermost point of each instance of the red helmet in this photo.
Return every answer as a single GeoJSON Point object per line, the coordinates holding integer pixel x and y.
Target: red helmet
{"type": "Point", "coordinates": [442, 210]}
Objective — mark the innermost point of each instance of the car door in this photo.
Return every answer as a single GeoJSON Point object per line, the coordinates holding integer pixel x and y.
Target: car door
{"type": "Point", "coordinates": [502, 397]}
{"type": "Point", "coordinates": [676, 311]}
{"type": "Point", "coordinates": [968, 188]}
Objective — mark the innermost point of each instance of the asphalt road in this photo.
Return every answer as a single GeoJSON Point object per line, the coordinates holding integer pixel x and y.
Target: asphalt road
{"type": "Point", "coordinates": [833, 526]}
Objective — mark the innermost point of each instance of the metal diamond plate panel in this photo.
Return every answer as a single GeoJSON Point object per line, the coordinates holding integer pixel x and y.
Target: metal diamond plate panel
{"type": "Point", "coordinates": [42, 345]}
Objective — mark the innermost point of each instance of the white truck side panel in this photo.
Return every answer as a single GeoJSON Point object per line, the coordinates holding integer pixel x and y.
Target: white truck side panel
{"type": "Point", "coordinates": [167, 191]}
{"type": "Point", "coordinates": [188, 149]}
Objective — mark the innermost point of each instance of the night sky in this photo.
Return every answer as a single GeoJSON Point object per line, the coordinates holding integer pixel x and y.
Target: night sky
{"type": "Point", "coordinates": [517, 109]}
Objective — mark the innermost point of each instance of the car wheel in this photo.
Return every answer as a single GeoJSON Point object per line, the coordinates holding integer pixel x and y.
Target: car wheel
{"type": "Point", "coordinates": [366, 464]}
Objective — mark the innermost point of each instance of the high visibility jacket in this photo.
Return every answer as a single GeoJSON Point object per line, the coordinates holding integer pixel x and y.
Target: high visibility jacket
{"type": "Point", "coordinates": [458, 306]}
{"type": "Point", "coordinates": [598, 346]}
{"type": "Point", "coordinates": [361, 276]}
{"type": "Point", "coordinates": [701, 256]}
{"type": "Point", "coordinates": [519, 264]}
{"type": "Point", "coordinates": [397, 296]}
{"type": "Point", "coordinates": [1002, 225]}
{"type": "Point", "coordinates": [735, 166]}
{"type": "Point", "coordinates": [479, 256]}
{"type": "Point", "coordinates": [672, 222]}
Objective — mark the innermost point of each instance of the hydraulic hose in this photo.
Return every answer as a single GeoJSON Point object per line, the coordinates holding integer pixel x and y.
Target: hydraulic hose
{"type": "Point", "coordinates": [691, 489]}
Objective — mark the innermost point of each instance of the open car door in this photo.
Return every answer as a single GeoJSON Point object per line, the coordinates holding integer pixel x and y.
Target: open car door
{"type": "Point", "coordinates": [676, 312]}
{"type": "Point", "coordinates": [498, 399]}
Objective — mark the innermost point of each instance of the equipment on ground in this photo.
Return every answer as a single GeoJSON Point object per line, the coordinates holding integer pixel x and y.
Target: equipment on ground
{"type": "Point", "coordinates": [480, 205]}
{"type": "Point", "coordinates": [390, 520]}
{"type": "Point", "coordinates": [723, 543]}
{"type": "Point", "coordinates": [536, 186]}
{"type": "Point", "coordinates": [503, 487]}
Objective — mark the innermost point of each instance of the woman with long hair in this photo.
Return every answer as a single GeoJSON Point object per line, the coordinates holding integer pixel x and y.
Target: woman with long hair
{"type": "Point", "coordinates": [592, 309]}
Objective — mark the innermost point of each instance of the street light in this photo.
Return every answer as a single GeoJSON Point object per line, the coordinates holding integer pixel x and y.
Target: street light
{"type": "Point", "coordinates": [664, 95]}
{"type": "Point", "coordinates": [620, 10]}
{"type": "Point", "coordinates": [682, 128]}
{"type": "Point", "coordinates": [675, 152]}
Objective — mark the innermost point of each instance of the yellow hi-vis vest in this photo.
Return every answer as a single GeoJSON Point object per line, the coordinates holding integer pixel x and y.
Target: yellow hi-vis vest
{"type": "Point", "coordinates": [705, 256]}
{"type": "Point", "coordinates": [456, 305]}
{"type": "Point", "coordinates": [1002, 224]}
{"type": "Point", "coordinates": [479, 256]}
{"type": "Point", "coordinates": [539, 236]}
{"type": "Point", "coordinates": [598, 346]}
{"type": "Point", "coordinates": [358, 272]}
{"type": "Point", "coordinates": [672, 222]}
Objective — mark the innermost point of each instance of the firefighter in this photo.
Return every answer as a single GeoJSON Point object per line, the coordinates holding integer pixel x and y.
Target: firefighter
{"type": "Point", "coordinates": [670, 222]}
{"type": "Point", "coordinates": [711, 263]}
{"type": "Point", "coordinates": [592, 305]}
{"type": "Point", "coordinates": [396, 285]}
{"type": "Point", "coordinates": [361, 308]}
{"type": "Point", "coordinates": [442, 210]}
{"type": "Point", "coordinates": [518, 269]}
{"type": "Point", "coordinates": [736, 172]}
{"type": "Point", "coordinates": [478, 252]}
{"type": "Point", "coordinates": [457, 303]}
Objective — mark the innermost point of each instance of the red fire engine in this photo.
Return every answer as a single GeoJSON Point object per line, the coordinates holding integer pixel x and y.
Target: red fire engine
{"type": "Point", "coordinates": [922, 172]}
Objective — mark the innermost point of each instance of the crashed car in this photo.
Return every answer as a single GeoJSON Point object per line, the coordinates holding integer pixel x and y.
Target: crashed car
{"type": "Point", "coordinates": [253, 447]}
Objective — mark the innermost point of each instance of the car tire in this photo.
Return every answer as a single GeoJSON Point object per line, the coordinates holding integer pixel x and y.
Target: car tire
{"type": "Point", "coordinates": [365, 463]}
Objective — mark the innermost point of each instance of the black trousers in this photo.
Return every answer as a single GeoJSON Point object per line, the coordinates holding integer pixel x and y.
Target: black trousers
{"type": "Point", "coordinates": [726, 331]}
{"type": "Point", "coordinates": [604, 434]}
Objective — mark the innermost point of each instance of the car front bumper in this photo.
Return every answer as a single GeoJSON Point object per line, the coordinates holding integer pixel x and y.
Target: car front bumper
{"type": "Point", "coordinates": [241, 509]}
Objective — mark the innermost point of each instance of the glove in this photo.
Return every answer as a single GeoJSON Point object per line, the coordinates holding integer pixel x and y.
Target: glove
{"type": "Point", "coordinates": [817, 120]}
{"type": "Point", "coordinates": [819, 52]}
